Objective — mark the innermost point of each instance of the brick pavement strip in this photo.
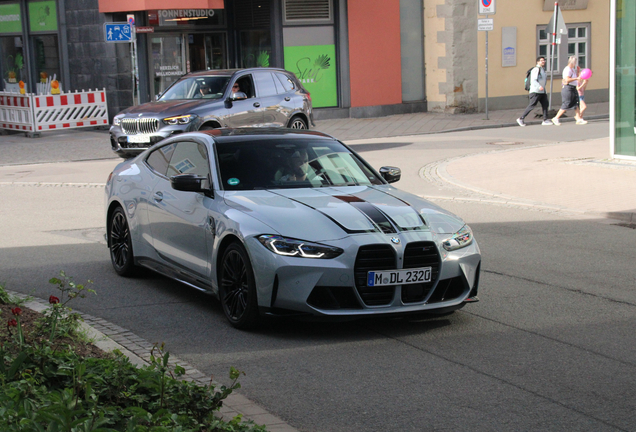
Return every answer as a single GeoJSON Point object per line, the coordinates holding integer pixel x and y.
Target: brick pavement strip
{"type": "Point", "coordinates": [138, 352]}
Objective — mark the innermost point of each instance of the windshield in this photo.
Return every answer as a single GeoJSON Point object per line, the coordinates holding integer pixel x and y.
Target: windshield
{"type": "Point", "coordinates": [197, 88]}
{"type": "Point", "coordinates": [302, 163]}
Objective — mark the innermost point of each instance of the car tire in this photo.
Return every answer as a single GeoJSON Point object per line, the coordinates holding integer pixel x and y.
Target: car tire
{"type": "Point", "coordinates": [237, 288]}
{"type": "Point", "coordinates": [207, 127]}
{"type": "Point", "coordinates": [297, 122]}
{"type": "Point", "coordinates": [120, 244]}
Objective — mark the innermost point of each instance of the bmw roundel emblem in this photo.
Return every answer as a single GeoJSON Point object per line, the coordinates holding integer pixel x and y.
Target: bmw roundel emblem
{"type": "Point", "coordinates": [395, 240]}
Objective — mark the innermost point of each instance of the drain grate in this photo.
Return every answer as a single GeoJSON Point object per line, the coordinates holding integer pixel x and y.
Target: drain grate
{"type": "Point", "coordinates": [504, 143]}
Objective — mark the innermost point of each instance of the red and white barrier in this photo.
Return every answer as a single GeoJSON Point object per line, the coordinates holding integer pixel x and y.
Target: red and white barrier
{"type": "Point", "coordinates": [41, 113]}
{"type": "Point", "coordinates": [16, 112]}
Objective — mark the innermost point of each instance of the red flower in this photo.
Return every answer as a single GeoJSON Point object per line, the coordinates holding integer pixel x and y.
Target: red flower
{"type": "Point", "coordinates": [12, 323]}
{"type": "Point", "coordinates": [16, 311]}
{"type": "Point", "coordinates": [54, 300]}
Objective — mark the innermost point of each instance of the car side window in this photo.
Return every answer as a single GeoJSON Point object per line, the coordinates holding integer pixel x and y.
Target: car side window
{"type": "Point", "coordinates": [246, 85]}
{"type": "Point", "coordinates": [159, 159]}
{"type": "Point", "coordinates": [189, 158]}
{"type": "Point", "coordinates": [286, 81]}
{"type": "Point", "coordinates": [265, 83]}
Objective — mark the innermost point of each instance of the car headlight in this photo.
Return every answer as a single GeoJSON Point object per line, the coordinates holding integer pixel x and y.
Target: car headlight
{"type": "Point", "coordinates": [179, 120]}
{"type": "Point", "coordinates": [117, 120]}
{"type": "Point", "coordinates": [298, 248]}
{"type": "Point", "coordinates": [460, 239]}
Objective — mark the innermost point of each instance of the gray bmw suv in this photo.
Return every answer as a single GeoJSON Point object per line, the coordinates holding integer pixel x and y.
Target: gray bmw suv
{"type": "Point", "coordinates": [259, 97]}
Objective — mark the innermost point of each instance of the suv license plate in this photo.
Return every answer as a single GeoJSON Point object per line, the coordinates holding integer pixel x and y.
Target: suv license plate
{"type": "Point", "coordinates": [399, 277]}
{"type": "Point", "coordinates": [139, 139]}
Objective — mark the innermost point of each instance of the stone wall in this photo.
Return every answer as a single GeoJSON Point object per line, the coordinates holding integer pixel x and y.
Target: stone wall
{"type": "Point", "coordinates": [459, 93]}
{"type": "Point", "coordinates": [94, 63]}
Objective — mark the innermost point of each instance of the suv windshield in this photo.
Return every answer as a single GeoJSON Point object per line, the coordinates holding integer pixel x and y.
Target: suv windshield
{"type": "Point", "coordinates": [201, 87]}
{"type": "Point", "coordinates": [302, 163]}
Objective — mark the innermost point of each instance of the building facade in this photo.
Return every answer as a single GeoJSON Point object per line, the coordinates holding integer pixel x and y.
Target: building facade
{"type": "Point", "coordinates": [519, 36]}
{"type": "Point", "coordinates": [358, 58]}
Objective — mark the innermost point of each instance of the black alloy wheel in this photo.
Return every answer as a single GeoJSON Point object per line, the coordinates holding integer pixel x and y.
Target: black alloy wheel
{"type": "Point", "coordinates": [120, 243]}
{"type": "Point", "coordinates": [237, 288]}
{"type": "Point", "coordinates": [297, 123]}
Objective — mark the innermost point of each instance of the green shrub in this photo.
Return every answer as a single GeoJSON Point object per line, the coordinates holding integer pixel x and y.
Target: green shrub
{"type": "Point", "coordinates": [47, 386]}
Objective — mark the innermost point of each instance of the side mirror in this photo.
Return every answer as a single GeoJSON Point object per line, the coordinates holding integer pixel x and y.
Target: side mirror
{"type": "Point", "coordinates": [238, 96]}
{"type": "Point", "coordinates": [390, 174]}
{"type": "Point", "coordinates": [228, 103]}
{"type": "Point", "coordinates": [191, 183]}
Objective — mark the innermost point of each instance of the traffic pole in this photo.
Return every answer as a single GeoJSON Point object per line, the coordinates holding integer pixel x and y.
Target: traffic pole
{"type": "Point", "coordinates": [554, 27]}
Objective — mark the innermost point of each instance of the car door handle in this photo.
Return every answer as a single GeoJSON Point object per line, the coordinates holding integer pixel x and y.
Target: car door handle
{"type": "Point", "coordinates": [256, 104]}
{"type": "Point", "coordinates": [158, 197]}
{"type": "Point", "coordinates": [287, 98]}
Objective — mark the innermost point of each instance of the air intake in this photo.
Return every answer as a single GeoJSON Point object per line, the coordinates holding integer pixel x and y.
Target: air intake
{"type": "Point", "coordinates": [307, 10]}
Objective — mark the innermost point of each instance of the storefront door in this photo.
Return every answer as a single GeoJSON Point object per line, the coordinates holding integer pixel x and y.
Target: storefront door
{"type": "Point", "coordinates": [175, 54]}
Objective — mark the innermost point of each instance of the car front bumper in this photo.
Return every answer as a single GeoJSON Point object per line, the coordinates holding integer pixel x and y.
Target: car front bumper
{"type": "Point", "coordinates": [336, 287]}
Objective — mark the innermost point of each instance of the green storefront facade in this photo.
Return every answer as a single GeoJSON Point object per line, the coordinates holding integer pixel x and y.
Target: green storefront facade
{"type": "Point", "coordinates": [623, 79]}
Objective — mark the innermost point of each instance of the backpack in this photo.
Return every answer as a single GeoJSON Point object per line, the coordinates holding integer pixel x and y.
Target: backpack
{"type": "Point", "coordinates": [527, 87]}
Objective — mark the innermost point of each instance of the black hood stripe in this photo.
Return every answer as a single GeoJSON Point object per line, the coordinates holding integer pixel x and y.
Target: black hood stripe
{"type": "Point", "coordinates": [384, 223]}
{"type": "Point", "coordinates": [344, 228]}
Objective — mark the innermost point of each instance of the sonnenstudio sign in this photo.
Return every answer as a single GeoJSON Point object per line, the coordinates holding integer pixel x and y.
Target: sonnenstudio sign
{"type": "Point", "coordinates": [185, 13]}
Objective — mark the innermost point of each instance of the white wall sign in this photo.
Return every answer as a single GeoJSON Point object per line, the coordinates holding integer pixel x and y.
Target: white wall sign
{"type": "Point", "coordinates": [508, 46]}
{"type": "Point", "coordinates": [486, 7]}
{"type": "Point", "coordinates": [485, 24]}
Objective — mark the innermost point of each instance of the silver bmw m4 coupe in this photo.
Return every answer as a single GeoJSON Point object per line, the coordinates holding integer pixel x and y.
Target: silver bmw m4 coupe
{"type": "Point", "coordinates": [283, 222]}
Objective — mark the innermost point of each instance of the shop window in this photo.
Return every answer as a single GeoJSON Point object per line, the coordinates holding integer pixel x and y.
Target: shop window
{"type": "Point", "coordinates": [304, 11]}
{"type": "Point", "coordinates": [256, 47]}
{"type": "Point", "coordinates": [47, 58]}
{"type": "Point", "coordinates": [13, 63]}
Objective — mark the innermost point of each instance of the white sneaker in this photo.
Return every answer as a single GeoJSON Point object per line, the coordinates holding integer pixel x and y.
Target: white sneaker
{"type": "Point", "coordinates": [556, 122]}
{"type": "Point", "coordinates": [546, 123]}
{"type": "Point", "coordinates": [581, 122]}
{"type": "Point", "coordinates": [520, 121]}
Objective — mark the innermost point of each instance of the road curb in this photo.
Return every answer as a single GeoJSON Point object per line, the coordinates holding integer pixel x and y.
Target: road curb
{"type": "Point", "coordinates": [109, 337]}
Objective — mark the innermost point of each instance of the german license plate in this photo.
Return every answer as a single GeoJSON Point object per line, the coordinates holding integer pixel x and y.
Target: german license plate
{"type": "Point", "coordinates": [139, 139]}
{"type": "Point", "coordinates": [399, 277]}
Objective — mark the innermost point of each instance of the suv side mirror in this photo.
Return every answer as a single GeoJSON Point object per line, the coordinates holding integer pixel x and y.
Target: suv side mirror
{"type": "Point", "coordinates": [191, 183]}
{"type": "Point", "coordinates": [238, 96]}
{"type": "Point", "coordinates": [390, 174]}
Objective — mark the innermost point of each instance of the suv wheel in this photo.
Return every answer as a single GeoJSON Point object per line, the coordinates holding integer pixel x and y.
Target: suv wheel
{"type": "Point", "coordinates": [297, 123]}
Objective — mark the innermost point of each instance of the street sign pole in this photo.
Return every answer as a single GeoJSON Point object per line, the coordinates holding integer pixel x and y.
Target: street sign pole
{"type": "Point", "coordinates": [487, 75]}
{"type": "Point", "coordinates": [554, 30]}
{"type": "Point", "coordinates": [486, 7]}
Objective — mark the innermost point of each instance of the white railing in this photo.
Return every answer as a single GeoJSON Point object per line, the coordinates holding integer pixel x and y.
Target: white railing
{"type": "Point", "coordinates": [41, 113]}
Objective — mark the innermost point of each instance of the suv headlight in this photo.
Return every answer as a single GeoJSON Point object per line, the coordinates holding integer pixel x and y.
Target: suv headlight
{"type": "Point", "coordinates": [179, 120]}
{"type": "Point", "coordinates": [117, 120]}
{"type": "Point", "coordinates": [460, 239]}
{"type": "Point", "coordinates": [298, 248]}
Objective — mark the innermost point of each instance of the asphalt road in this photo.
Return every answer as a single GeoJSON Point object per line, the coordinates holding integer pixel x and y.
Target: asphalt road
{"type": "Point", "coordinates": [549, 347]}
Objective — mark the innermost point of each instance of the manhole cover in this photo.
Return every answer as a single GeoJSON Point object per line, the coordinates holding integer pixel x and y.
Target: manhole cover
{"type": "Point", "coordinates": [504, 143]}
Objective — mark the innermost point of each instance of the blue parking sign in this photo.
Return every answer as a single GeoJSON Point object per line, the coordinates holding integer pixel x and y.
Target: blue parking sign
{"type": "Point", "coordinates": [118, 32]}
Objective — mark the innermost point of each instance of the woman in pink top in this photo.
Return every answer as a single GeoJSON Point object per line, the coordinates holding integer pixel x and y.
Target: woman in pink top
{"type": "Point", "coordinates": [581, 90]}
{"type": "Point", "coordinates": [569, 93]}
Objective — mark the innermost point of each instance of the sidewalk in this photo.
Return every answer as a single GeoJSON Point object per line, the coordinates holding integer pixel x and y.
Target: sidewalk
{"type": "Point", "coordinates": [428, 123]}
